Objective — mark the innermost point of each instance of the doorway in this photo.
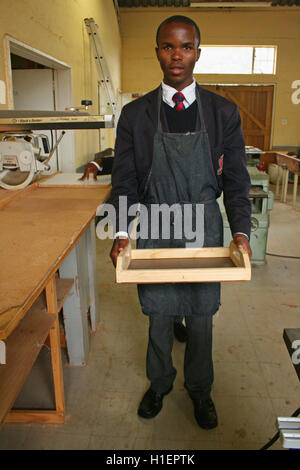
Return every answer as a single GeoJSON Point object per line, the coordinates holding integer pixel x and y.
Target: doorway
{"type": "Point", "coordinates": [37, 81]}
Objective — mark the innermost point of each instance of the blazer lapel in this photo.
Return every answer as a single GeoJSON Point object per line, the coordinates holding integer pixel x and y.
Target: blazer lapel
{"type": "Point", "coordinates": [152, 108]}
{"type": "Point", "coordinates": [206, 106]}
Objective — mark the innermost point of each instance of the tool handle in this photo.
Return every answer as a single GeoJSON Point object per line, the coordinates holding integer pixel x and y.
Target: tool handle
{"type": "Point", "coordinates": [54, 148]}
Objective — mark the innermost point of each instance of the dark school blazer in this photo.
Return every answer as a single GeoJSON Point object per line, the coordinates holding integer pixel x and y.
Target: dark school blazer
{"type": "Point", "coordinates": [134, 152]}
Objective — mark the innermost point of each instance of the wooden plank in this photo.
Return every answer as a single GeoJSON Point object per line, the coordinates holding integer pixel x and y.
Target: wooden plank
{"type": "Point", "coordinates": [183, 265]}
{"type": "Point", "coordinates": [47, 227]}
{"type": "Point", "coordinates": [22, 349]}
{"type": "Point", "coordinates": [33, 416]}
{"type": "Point", "coordinates": [153, 276]}
{"type": "Point", "coordinates": [51, 299]}
{"type": "Point", "coordinates": [216, 252]}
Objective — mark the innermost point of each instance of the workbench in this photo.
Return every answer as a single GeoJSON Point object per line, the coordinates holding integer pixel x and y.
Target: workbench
{"type": "Point", "coordinates": [47, 242]}
{"type": "Point", "coordinates": [286, 163]}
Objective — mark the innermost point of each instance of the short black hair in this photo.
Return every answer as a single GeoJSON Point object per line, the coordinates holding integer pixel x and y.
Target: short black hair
{"type": "Point", "coordinates": [179, 19]}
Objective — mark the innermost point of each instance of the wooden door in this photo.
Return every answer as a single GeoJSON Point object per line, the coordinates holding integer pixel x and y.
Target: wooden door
{"type": "Point", "coordinates": [255, 106]}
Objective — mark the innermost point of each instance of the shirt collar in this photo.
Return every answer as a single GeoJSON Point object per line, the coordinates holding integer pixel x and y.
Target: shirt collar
{"type": "Point", "coordinates": [188, 92]}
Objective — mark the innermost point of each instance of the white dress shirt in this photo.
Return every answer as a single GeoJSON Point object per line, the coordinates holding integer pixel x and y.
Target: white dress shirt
{"type": "Point", "coordinates": [189, 93]}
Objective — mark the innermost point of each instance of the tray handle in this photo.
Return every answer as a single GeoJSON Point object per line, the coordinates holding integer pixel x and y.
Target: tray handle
{"type": "Point", "coordinates": [239, 256]}
{"type": "Point", "coordinates": [124, 258]}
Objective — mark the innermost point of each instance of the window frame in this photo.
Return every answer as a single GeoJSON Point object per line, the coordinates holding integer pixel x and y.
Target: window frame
{"type": "Point", "coordinates": [253, 47]}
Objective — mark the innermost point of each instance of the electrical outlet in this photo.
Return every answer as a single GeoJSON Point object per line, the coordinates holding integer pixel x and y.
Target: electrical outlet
{"type": "Point", "coordinates": [284, 122]}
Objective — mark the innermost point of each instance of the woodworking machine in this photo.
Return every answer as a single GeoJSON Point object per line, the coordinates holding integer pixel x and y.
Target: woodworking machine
{"type": "Point", "coordinates": [22, 152]}
{"type": "Point", "coordinates": [262, 200]}
{"type": "Point", "coordinates": [21, 159]}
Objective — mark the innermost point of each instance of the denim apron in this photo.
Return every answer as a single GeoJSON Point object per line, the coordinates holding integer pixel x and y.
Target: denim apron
{"type": "Point", "coordinates": [182, 173]}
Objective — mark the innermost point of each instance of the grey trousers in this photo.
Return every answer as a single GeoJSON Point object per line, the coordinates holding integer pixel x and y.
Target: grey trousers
{"type": "Point", "coordinates": [198, 364]}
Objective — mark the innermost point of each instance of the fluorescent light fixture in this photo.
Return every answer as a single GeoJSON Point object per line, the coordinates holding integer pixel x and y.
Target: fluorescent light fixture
{"type": "Point", "coordinates": [230, 4]}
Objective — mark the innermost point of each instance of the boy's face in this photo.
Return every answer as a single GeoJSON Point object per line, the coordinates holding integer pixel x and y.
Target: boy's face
{"type": "Point", "coordinates": [177, 53]}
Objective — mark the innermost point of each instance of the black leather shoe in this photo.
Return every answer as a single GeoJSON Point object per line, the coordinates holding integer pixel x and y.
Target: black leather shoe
{"type": "Point", "coordinates": [205, 413]}
{"type": "Point", "coordinates": [151, 403]}
{"type": "Point", "coordinates": [180, 332]}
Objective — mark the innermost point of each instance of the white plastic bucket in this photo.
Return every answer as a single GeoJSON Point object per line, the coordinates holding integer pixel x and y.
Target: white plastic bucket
{"type": "Point", "coordinates": [273, 172]}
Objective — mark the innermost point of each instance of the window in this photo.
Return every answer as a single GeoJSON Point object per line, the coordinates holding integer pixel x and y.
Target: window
{"type": "Point", "coordinates": [236, 60]}
{"type": "Point", "coordinates": [264, 60]}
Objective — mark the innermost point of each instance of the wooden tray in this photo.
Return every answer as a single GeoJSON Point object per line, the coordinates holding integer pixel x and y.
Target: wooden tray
{"type": "Point", "coordinates": [183, 265]}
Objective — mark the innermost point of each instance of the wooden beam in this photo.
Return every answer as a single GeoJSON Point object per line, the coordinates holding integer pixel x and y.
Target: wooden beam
{"type": "Point", "coordinates": [33, 416]}
{"type": "Point", "coordinates": [51, 299]}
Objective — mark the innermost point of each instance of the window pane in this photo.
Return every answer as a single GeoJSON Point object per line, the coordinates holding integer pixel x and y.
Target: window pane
{"type": "Point", "coordinates": [225, 60]}
{"type": "Point", "coordinates": [264, 60]}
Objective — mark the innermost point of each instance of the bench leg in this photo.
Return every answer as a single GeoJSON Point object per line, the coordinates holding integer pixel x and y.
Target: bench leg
{"type": "Point", "coordinates": [51, 299]}
{"type": "Point", "coordinates": [295, 189]}
{"type": "Point", "coordinates": [277, 190]}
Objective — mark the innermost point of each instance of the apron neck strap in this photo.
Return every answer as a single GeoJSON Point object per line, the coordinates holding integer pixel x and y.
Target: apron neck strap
{"type": "Point", "coordinates": [159, 126]}
{"type": "Point", "coordinates": [200, 110]}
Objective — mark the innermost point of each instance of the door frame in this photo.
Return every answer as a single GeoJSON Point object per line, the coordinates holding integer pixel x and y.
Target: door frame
{"type": "Point", "coordinates": [62, 85]}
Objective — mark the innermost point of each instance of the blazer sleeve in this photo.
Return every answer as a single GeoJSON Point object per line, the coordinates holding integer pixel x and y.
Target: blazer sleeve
{"type": "Point", "coordinates": [236, 179]}
{"type": "Point", "coordinates": [124, 178]}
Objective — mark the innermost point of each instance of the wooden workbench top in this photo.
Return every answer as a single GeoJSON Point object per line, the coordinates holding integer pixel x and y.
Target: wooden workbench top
{"type": "Point", "coordinates": [38, 229]}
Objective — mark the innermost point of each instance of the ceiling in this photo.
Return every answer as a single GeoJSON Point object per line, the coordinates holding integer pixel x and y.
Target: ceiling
{"type": "Point", "coordinates": [206, 3]}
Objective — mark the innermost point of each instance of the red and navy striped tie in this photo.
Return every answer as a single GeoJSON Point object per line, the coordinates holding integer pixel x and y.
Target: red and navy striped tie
{"type": "Point", "coordinates": [178, 99]}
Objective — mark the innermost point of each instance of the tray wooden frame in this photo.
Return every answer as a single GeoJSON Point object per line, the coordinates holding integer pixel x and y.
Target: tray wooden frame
{"type": "Point", "coordinates": [240, 271]}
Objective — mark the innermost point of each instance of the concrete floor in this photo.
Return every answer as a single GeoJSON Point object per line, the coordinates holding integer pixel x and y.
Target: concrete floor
{"type": "Point", "coordinates": [255, 381]}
